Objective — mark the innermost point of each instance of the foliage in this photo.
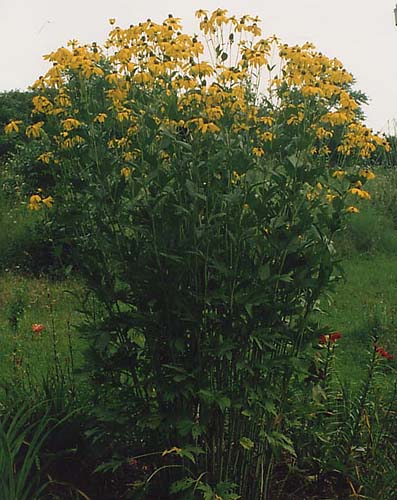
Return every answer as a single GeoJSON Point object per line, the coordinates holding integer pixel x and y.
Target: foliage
{"type": "Point", "coordinates": [18, 477]}
{"type": "Point", "coordinates": [14, 105]}
{"type": "Point", "coordinates": [24, 238]}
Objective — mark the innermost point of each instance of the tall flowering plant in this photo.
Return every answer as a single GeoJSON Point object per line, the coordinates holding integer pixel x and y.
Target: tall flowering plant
{"type": "Point", "coordinates": [205, 178]}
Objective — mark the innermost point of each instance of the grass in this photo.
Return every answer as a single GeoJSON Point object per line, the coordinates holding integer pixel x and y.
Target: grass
{"type": "Point", "coordinates": [364, 304]}
{"type": "Point", "coordinates": [25, 301]}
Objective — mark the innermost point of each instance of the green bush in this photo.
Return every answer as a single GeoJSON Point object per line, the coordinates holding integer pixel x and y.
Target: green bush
{"type": "Point", "coordinates": [24, 243]}
{"type": "Point", "coordinates": [14, 105]}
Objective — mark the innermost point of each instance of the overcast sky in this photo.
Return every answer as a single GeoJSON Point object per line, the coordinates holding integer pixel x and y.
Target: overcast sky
{"type": "Point", "coordinates": [361, 33]}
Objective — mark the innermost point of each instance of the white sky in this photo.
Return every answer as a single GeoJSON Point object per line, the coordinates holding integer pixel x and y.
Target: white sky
{"type": "Point", "coordinates": [361, 33]}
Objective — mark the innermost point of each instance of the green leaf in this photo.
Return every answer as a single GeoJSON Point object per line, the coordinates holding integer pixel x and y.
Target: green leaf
{"type": "Point", "coordinates": [223, 403]}
{"type": "Point", "coordinates": [247, 443]}
{"type": "Point", "coordinates": [182, 485]}
{"type": "Point", "coordinates": [264, 272]}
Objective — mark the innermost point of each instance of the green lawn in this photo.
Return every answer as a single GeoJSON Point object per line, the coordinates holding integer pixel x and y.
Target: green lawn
{"type": "Point", "coordinates": [364, 304]}
{"type": "Point", "coordinates": [25, 301]}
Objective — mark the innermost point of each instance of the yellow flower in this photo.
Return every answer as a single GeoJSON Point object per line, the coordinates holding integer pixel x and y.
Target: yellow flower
{"type": "Point", "coordinates": [352, 210]}
{"type": "Point", "coordinates": [45, 157]}
{"type": "Point", "coordinates": [267, 136]}
{"type": "Point", "coordinates": [112, 20]}
{"type": "Point", "coordinates": [100, 118]}
{"type": "Point", "coordinates": [339, 174]}
{"type": "Point", "coordinates": [367, 174]}
{"type": "Point", "coordinates": [330, 197]}
{"type": "Point", "coordinates": [267, 120]}
{"type": "Point", "coordinates": [48, 202]}
{"type": "Point", "coordinates": [201, 69]}
{"type": "Point", "coordinates": [34, 130]}
{"type": "Point", "coordinates": [34, 202]}
{"type": "Point", "coordinates": [42, 104]}
{"type": "Point", "coordinates": [322, 133]}
{"type": "Point", "coordinates": [360, 193]}
{"type": "Point", "coordinates": [258, 151]}
{"type": "Point", "coordinates": [12, 126]}
{"type": "Point", "coordinates": [125, 172]}
{"type": "Point", "coordinates": [311, 195]}
{"type": "Point", "coordinates": [70, 124]}
{"type": "Point", "coordinates": [295, 118]}
{"type": "Point", "coordinates": [236, 177]}
{"type": "Point", "coordinates": [324, 150]}
{"type": "Point", "coordinates": [214, 113]}
{"type": "Point", "coordinates": [201, 13]}
{"type": "Point", "coordinates": [208, 127]}
{"type": "Point", "coordinates": [123, 115]}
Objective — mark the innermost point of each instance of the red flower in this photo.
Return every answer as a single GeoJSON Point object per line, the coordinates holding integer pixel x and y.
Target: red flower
{"type": "Point", "coordinates": [335, 336]}
{"type": "Point", "coordinates": [382, 352]}
{"type": "Point", "coordinates": [331, 338]}
{"type": "Point", "coordinates": [37, 328]}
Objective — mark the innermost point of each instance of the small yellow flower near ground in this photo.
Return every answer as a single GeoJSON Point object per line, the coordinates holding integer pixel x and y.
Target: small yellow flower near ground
{"type": "Point", "coordinates": [125, 172]}
{"type": "Point", "coordinates": [34, 202]}
{"type": "Point", "coordinates": [352, 210]}
{"type": "Point", "coordinates": [12, 126]}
